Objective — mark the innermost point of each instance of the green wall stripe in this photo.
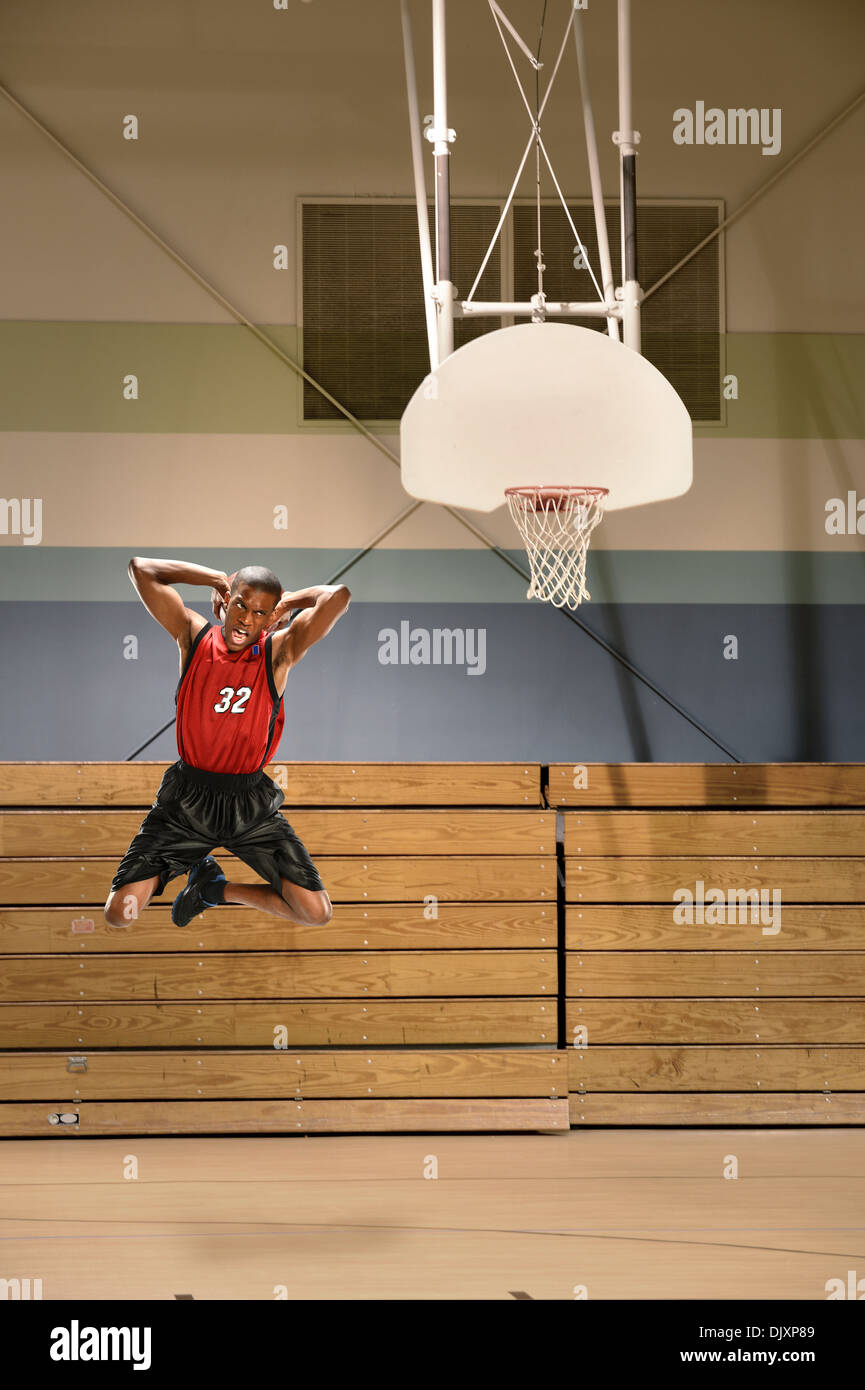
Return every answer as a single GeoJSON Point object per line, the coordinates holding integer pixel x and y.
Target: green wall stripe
{"type": "Point", "coordinates": [54, 575]}
{"type": "Point", "coordinates": [192, 378]}
{"type": "Point", "coordinates": [218, 379]}
{"type": "Point", "coordinates": [795, 386]}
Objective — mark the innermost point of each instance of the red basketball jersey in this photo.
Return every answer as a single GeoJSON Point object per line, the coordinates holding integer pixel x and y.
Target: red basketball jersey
{"type": "Point", "coordinates": [229, 715]}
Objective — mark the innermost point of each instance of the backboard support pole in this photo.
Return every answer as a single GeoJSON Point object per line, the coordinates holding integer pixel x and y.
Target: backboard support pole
{"type": "Point", "coordinates": [607, 280]}
{"type": "Point", "coordinates": [627, 140]}
{"type": "Point", "coordinates": [441, 137]}
{"type": "Point", "coordinates": [420, 189]}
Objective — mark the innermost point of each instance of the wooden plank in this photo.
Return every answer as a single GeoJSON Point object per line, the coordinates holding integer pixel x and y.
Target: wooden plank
{"type": "Point", "coordinates": [706, 784]}
{"type": "Point", "coordinates": [687, 1020]}
{"type": "Point", "coordinates": [711, 832]}
{"type": "Point", "coordinates": [716, 973]}
{"type": "Point", "coordinates": [657, 880]}
{"type": "Point", "coordinates": [282, 1075]}
{"type": "Point", "coordinates": [631, 926]}
{"type": "Point", "coordinates": [283, 1117]}
{"type": "Point", "coordinates": [751, 1068]}
{"type": "Point", "coordinates": [58, 834]}
{"type": "Point", "coordinates": [286, 1075]}
{"type": "Point", "coordinates": [380, 926]}
{"type": "Point", "coordinates": [304, 784]}
{"type": "Point", "coordinates": [278, 975]}
{"type": "Point", "coordinates": [510, 878]}
{"type": "Point", "coordinates": [788, 1108]}
{"type": "Point", "coordinates": [410, 784]}
{"type": "Point", "coordinates": [307, 1023]}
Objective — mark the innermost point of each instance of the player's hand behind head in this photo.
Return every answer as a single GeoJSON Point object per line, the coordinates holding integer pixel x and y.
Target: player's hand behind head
{"type": "Point", "coordinates": [220, 595]}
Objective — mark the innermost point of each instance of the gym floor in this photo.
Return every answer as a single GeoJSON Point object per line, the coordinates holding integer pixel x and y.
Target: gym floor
{"type": "Point", "coordinates": [659, 1214]}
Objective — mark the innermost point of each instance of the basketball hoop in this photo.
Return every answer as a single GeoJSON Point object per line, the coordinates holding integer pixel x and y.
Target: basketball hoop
{"type": "Point", "coordinates": [556, 524]}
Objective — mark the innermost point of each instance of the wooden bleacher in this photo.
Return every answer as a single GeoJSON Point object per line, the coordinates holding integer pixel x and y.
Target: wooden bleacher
{"type": "Point", "coordinates": [401, 1014]}
{"type": "Point", "coordinates": [404, 1015]}
{"type": "Point", "coordinates": [714, 1023]}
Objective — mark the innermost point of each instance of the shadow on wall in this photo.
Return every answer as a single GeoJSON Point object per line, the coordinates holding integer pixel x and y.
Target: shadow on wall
{"type": "Point", "coordinates": [625, 682]}
{"type": "Point", "coordinates": [806, 697]}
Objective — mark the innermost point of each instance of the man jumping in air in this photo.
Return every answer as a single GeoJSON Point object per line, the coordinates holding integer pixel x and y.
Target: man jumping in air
{"type": "Point", "coordinates": [230, 716]}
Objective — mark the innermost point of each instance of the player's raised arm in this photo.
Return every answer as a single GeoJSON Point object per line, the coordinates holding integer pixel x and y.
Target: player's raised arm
{"type": "Point", "coordinates": [322, 606]}
{"type": "Point", "coordinates": [153, 580]}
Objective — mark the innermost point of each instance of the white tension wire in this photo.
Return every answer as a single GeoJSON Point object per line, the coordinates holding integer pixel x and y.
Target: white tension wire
{"type": "Point", "coordinates": [534, 138]}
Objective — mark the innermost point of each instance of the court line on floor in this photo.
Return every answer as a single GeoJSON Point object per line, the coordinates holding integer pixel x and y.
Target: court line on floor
{"type": "Point", "coordinates": [290, 1230]}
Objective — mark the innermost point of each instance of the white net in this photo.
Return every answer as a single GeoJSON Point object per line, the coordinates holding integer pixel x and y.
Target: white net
{"type": "Point", "coordinates": [556, 524]}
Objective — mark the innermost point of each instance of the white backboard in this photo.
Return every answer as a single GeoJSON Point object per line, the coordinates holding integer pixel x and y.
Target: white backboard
{"type": "Point", "coordinates": [545, 403]}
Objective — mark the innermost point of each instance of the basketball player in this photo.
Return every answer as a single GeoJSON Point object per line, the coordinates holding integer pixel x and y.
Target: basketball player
{"type": "Point", "coordinates": [230, 716]}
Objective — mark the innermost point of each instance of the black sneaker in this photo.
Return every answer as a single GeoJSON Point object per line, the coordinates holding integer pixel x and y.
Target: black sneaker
{"type": "Point", "coordinates": [204, 888]}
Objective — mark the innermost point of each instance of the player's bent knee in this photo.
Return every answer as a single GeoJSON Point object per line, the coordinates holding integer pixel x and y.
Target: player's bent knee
{"type": "Point", "coordinates": [319, 911]}
{"type": "Point", "coordinates": [113, 913]}
{"type": "Point", "coordinates": [124, 906]}
{"type": "Point", "coordinates": [311, 908]}
{"type": "Point", "coordinates": [324, 911]}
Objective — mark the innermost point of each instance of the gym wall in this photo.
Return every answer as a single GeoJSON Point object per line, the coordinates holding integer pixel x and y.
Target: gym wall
{"type": "Point", "coordinates": [742, 601]}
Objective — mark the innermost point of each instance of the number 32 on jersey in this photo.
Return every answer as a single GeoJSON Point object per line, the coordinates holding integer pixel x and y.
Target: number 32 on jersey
{"type": "Point", "coordinates": [228, 692]}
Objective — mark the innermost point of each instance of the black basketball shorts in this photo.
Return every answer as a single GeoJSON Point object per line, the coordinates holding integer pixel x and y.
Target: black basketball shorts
{"type": "Point", "coordinates": [196, 811]}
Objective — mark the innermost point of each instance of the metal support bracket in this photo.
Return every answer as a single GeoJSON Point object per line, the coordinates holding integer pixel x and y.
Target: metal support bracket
{"type": "Point", "coordinates": [435, 135]}
{"type": "Point", "coordinates": [626, 140]}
